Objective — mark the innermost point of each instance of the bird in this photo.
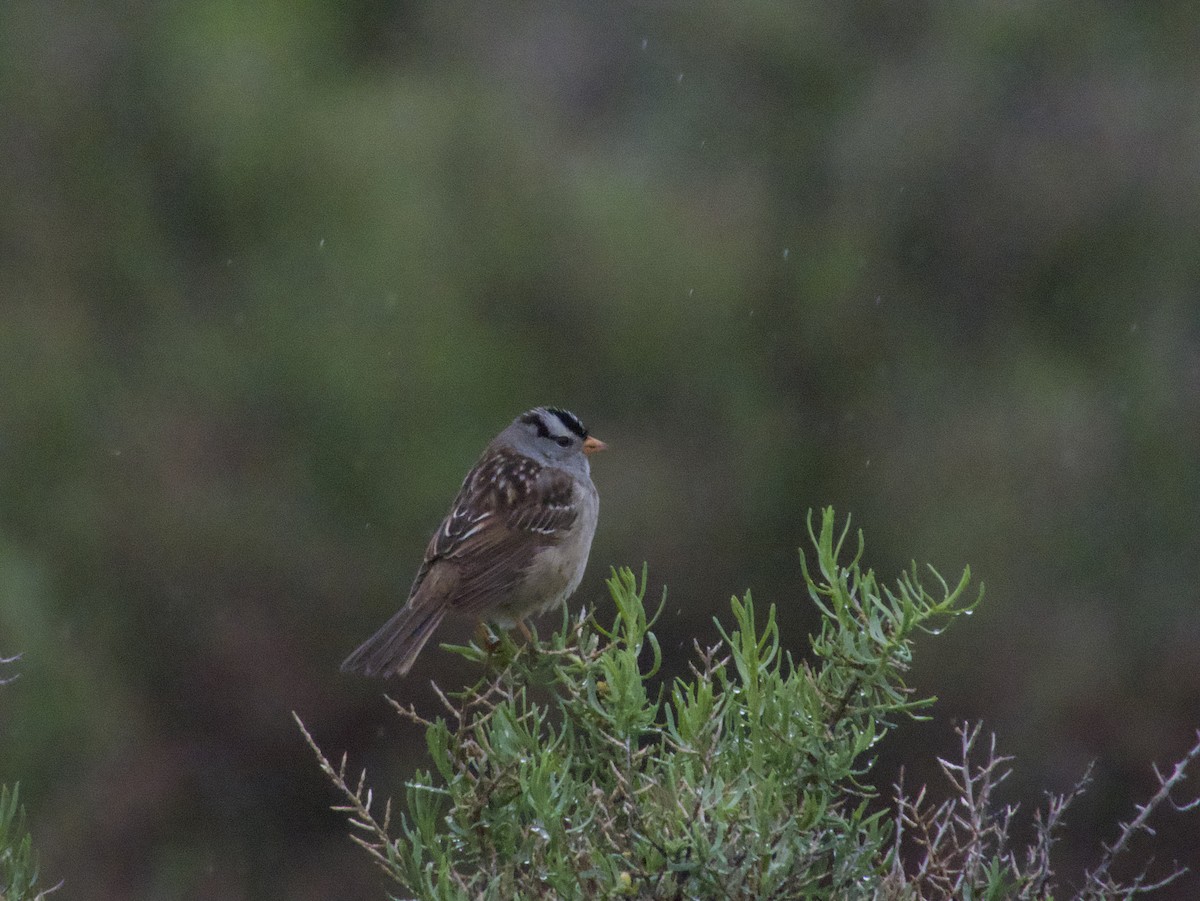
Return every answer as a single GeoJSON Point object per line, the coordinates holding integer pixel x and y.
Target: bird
{"type": "Point", "coordinates": [514, 544]}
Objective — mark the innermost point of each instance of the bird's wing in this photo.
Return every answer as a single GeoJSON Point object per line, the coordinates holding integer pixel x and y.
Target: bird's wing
{"type": "Point", "coordinates": [500, 520]}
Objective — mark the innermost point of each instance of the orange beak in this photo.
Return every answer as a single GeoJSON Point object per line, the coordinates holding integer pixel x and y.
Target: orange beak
{"type": "Point", "coordinates": [592, 445]}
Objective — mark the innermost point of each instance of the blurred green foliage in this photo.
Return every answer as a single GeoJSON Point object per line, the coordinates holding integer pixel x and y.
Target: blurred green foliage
{"type": "Point", "coordinates": [271, 275]}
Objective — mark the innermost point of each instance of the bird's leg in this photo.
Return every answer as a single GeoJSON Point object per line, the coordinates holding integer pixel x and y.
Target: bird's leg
{"type": "Point", "coordinates": [531, 645]}
{"type": "Point", "coordinates": [484, 638]}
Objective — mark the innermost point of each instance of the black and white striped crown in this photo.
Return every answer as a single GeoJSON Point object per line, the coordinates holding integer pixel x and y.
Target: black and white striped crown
{"type": "Point", "coordinates": [553, 422]}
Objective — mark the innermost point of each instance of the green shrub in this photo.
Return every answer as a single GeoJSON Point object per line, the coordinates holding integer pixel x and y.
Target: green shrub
{"type": "Point", "coordinates": [18, 862]}
{"type": "Point", "coordinates": [747, 779]}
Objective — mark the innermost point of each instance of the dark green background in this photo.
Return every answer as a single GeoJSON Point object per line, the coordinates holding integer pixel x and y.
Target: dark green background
{"type": "Point", "coordinates": [272, 274]}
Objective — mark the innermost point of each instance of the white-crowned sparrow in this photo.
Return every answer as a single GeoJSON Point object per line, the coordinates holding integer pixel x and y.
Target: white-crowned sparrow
{"type": "Point", "coordinates": [514, 544]}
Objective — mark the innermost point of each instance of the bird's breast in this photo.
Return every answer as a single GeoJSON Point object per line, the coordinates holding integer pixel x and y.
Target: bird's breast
{"type": "Point", "coordinates": [556, 571]}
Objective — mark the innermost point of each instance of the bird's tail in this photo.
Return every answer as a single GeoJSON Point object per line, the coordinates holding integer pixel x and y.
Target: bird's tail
{"type": "Point", "coordinates": [394, 648]}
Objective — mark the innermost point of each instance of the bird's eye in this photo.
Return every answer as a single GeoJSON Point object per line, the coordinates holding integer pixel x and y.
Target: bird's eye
{"type": "Point", "coordinates": [562, 440]}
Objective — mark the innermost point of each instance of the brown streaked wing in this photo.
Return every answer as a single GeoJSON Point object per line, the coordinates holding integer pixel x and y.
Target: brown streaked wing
{"type": "Point", "coordinates": [491, 551]}
{"type": "Point", "coordinates": [470, 504]}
